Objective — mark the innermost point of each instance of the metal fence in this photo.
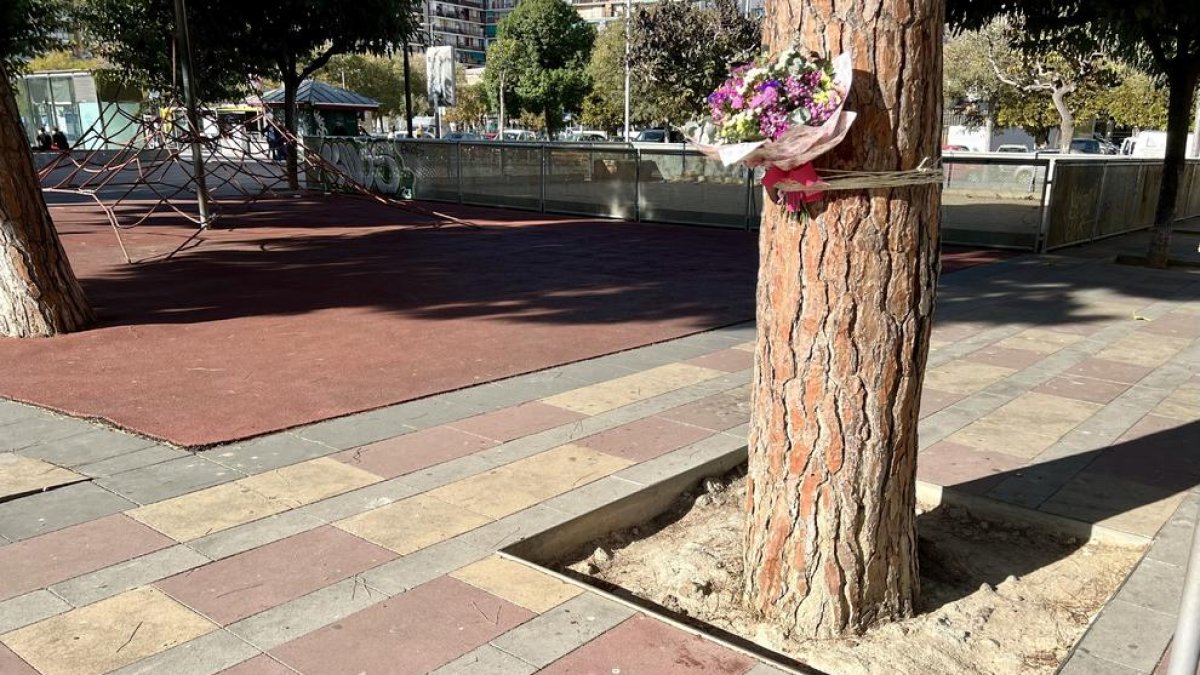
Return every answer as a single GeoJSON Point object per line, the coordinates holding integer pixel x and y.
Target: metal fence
{"type": "Point", "coordinates": [1028, 202]}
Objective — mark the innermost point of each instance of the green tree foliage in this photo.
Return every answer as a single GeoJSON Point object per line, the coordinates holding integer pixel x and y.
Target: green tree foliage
{"type": "Point", "coordinates": [682, 51]}
{"type": "Point", "coordinates": [471, 106]}
{"type": "Point", "coordinates": [1138, 101]}
{"type": "Point", "coordinates": [541, 53]}
{"type": "Point", "coordinates": [27, 30]}
{"type": "Point", "coordinates": [381, 77]}
{"type": "Point", "coordinates": [604, 107]}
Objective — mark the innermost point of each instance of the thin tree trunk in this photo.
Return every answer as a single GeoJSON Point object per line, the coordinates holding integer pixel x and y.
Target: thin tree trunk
{"type": "Point", "coordinates": [845, 301]}
{"type": "Point", "coordinates": [1066, 127]}
{"type": "Point", "coordinates": [290, 85]}
{"type": "Point", "coordinates": [1182, 83]}
{"type": "Point", "coordinates": [39, 295]}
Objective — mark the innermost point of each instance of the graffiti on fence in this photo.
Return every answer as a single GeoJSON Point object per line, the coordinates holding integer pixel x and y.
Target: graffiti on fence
{"type": "Point", "coordinates": [374, 165]}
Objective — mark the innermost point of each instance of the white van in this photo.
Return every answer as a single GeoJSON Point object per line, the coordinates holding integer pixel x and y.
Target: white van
{"type": "Point", "coordinates": [1149, 144]}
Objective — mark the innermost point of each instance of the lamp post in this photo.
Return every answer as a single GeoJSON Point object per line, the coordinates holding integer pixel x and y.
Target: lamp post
{"type": "Point", "coordinates": [628, 24]}
{"type": "Point", "coordinates": [407, 92]}
{"type": "Point", "coordinates": [184, 49]}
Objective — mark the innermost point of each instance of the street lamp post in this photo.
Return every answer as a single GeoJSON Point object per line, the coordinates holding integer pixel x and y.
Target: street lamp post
{"type": "Point", "coordinates": [182, 39]}
{"type": "Point", "coordinates": [628, 24]}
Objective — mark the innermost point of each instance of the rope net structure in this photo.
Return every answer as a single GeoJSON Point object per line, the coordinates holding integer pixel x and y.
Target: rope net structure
{"type": "Point", "coordinates": [137, 165]}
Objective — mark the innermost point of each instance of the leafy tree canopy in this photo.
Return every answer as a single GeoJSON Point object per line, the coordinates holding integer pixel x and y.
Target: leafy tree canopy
{"type": "Point", "coordinates": [27, 29]}
{"type": "Point", "coordinates": [381, 77]}
{"type": "Point", "coordinates": [604, 107]}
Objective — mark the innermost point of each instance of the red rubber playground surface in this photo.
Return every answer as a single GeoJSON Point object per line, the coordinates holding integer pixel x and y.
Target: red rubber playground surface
{"type": "Point", "coordinates": [314, 308]}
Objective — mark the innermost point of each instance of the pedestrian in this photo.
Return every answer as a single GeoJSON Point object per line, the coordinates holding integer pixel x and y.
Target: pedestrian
{"type": "Point", "coordinates": [60, 141]}
{"type": "Point", "coordinates": [275, 143]}
{"type": "Point", "coordinates": [44, 142]}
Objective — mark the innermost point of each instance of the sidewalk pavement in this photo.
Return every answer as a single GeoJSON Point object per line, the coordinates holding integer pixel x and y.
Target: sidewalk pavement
{"type": "Point", "coordinates": [1060, 386]}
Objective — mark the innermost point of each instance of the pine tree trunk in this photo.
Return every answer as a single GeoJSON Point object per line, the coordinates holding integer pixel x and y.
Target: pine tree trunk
{"type": "Point", "coordinates": [1179, 111]}
{"type": "Point", "coordinates": [39, 295]}
{"type": "Point", "coordinates": [844, 307]}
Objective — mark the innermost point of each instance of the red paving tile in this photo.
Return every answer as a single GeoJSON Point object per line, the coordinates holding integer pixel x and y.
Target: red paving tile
{"type": "Point", "coordinates": [728, 360]}
{"type": "Point", "coordinates": [518, 421]}
{"type": "Point", "coordinates": [412, 452]}
{"type": "Point", "coordinates": [1006, 357]}
{"type": "Point", "coordinates": [1175, 325]}
{"type": "Point", "coordinates": [1111, 371]}
{"type": "Point", "coordinates": [57, 556]}
{"type": "Point", "coordinates": [645, 439]}
{"type": "Point", "coordinates": [718, 413]}
{"type": "Point", "coordinates": [643, 646]}
{"type": "Point", "coordinates": [11, 664]}
{"type": "Point", "coordinates": [259, 665]}
{"type": "Point", "coordinates": [415, 632]}
{"type": "Point", "coordinates": [248, 583]}
{"type": "Point", "coordinates": [964, 468]}
{"type": "Point", "coordinates": [933, 400]}
{"type": "Point", "coordinates": [1083, 388]}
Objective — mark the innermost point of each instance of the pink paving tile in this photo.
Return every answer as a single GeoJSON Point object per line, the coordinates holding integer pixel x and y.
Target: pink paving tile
{"type": "Point", "coordinates": [1111, 371]}
{"type": "Point", "coordinates": [1083, 326]}
{"type": "Point", "coordinates": [641, 645]}
{"type": "Point", "coordinates": [728, 360]}
{"type": "Point", "coordinates": [41, 561]}
{"type": "Point", "coordinates": [1083, 388]}
{"type": "Point", "coordinates": [259, 665]}
{"type": "Point", "coordinates": [522, 420]}
{"type": "Point", "coordinates": [964, 468]}
{"type": "Point", "coordinates": [414, 632]}
{"type": "Point", "coordinates": [11, 664]}
{"type": "Point", "coordinates": [719, 412]}
{"type": "Point", "coordinates": [933, 400]}
{"type": "Point", "coordinates": [1152, 425]}
{"type": "Point", "coordinates": [413, 452]}
{"type": "Point", "coordinates": [1005, 357]}
{"type": "Point", "coordinates": [261, 578]}
{"type": "Point", "coordinates": [956, 331]}
{"type": "Point", "coordinates": [1175, 325]}
{"type": "Point", "coordinates": [645, 439]}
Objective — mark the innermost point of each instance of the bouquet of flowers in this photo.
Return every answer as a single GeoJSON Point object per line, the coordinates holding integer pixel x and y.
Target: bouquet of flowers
{"type": "Point", "coordinates": [781, 114]}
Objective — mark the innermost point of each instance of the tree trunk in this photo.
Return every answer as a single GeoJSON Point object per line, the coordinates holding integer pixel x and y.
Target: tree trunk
{"type": "Point", "coordinates": [1182, 82]}
{"type": "Point", "coordinates": [290, 85]}
{"type": "Point", "coordinates": [845, 300]}
{"type": "Point", "coordinates": [39, 295]}
{"type": "Point", "coordinates": [1066, 127]}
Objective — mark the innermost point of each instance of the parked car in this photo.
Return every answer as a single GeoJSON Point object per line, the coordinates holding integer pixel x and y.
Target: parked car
{"type": "Point", "coordinates": [659, 136]}
{"type": "Point", "coordinates": [1086, 146]}
{"type": "Point", "coordinates": [955, 148]}
{"type": "Point", "coordinates": [586, 137]}
{"type": "Point", "coordinates": [519, 135]}
{"type": "Point", "coordinates": [1013, 147]}
{"type": "Point", "coordinates": [462, 136]}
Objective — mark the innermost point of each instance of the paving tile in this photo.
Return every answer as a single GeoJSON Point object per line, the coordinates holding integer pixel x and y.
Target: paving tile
{"type": "Point", "coordinates": [745, 346]}
{"type": "Point", "coordinates": [644, 645]}
{"type": "Point", "coordinates": [1082, 663]}
{"type": "Point", "coordinates": [168, 479]}
{"type": "Point", "coordinates": [933, 400]}
{"type": "Point", "coordinates": [418, 450]}
{"type": "Point", "coordinates": [1129, 635]}
{"type": "Point", "coordinates": [254, 534]}
{"type": "Point", "coordinates": [412, 524]}
{"type": "Point", "coordinates": [247, 583]}
{"type": "Point", "coordinates": [41, 561]}
{"type": "Point", "coordinates": [1122, 505]}
{"type": "Point", "coordinates": [965, 468]}
{"type": "Point", "coordinates": [605, 396]}
{"type": "Point", "coordinates": [1112, 371]}
{"type": "Point", "coordinates": [206, 654]}
{"type": "Point", "coordinates": [1036, 483]}
{"type": "Point", "coordinates": [87, 448]}
{"type": "Point", "coordinates": [549, 636]}
{"type": "Point", "coordinates": [645, 439]}
{"type": "Point", "coordinates": [1155, 585]}
{"type": "Point", "coordinates": [1144, 350]}
{"type": "Point", "coordinates": [218, 508]}
{"type": "Point", "coordinates": [107, 635]}
{"type": "Point", "coordinates": [259, 665]}
{"type": "Point", "coordinates": [1166, 457]}
{"type": "Point", "coordinates": [518, 421]}
{"type": "Point", "coordinates": [447, 472]}
{"type": "Point", "coordinates": [11, 411]}
{"type": "Point", "coordinates": [11, 664]}
{"type": "Point", "coordinates": [358, 501]}
{"type": "Point", "coordinates": [718, 413]}
{"type": "Point", "coordinates": [526, 482]}
{"type": "Point", "coordinates": [486, 660]}
{"type": "Point", "coordinates": [517, 583]}
{"type": "Point", "coordinates": [728, 360]}
{"type": "Point", "coordinates": [1176, 324]}
{"type": "Point", "coordinates": [1025, 426]}
{"type": "Point", "coordinates": [269, 452]}
{"type": "Point", "coordinates": [416, 632]}
{"type": "Point", "coordinates": [131, 574]}
{"type": "Point", "coordinates": [39, 429]}
{"type": "Point", "coordinates": [1083, 388]}
{"type": "Point", "coordinates": [129, 461]}
{"type": "Point", "coordinates": [23, 475]}
{"type": "Point", "coordinates": [49, 511]}
{"type": "Point", "coordinates": [354, 430]}
{"type": "Point", "coordinates": [423, 566]}
{"type": "Point", "coordinates": [1183, 403]}
{"type": "Point", "coordinates": [964, 377]}
{"type": "Point", "coordinates": [30, 608]}
{"type": "Point", "coordinates": [306, 614]}
{"type": "Point", "coordinates": [1040, 340]}
{"type": "Point", "coordinates": [1006, 357]}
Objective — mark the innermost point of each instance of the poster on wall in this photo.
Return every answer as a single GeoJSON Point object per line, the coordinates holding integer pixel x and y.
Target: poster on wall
{"type": "Point", "coordinates": [439, 72]}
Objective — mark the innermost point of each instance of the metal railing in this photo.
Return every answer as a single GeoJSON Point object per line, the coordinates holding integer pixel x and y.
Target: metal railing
{"type": "Point", "coordinates": [1026, 202]}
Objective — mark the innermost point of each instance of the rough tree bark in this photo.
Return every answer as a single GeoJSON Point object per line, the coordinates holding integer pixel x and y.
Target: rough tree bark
{"type": "Point", "coordinates": [844, 307]}
{"type": "Point", "coordinates": [1182, 82]}
{"type": "Point", "coordinates": [290, 87]}
{"type": "Point", "coordinates": [39, 295]}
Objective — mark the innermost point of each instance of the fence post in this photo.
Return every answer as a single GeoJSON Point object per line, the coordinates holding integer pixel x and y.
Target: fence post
{"type": "Point", "coordinates": [749, 204]}
{"type": "Point", "coordinates": [458, 163]}
{"type": "Point", "coordinates": [637, 185]}
{"type": "Point", "coordinates": [1099, 203]}
{"type": "Point", "coordinates": [1043, 237]}
{"type": "Point", "coordinates": [542, 176]}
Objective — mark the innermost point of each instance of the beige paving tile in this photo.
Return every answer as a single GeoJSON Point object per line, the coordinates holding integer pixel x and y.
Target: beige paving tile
{"type": "Point", "coordinates": [412, 524]}
{"type": "Point", "coordinates": [1040, 340]}
{"type": "Point", "coordinates": [519, 584]}
{"type": "Point", "coordinates": [1144, 350]}
{"type": "Point", "coordinates": [597, 398]}
{"type": "Point", "coordinates": [1182, 404]}
{"type": "Point", "coordinates": [1122, 505]}
{"type": "Point", "coordinates": [964, 377]}
{"type": "Point", "coordinates": [1025, 426]}
{"type": "Point", "coordinates": [108, 635]}
{"type": "Point", "coordinates": [745, 346]}
{"type": "Point", "coordinates": [221, 507]}
{"type": "Point", "coordinates": [522, 484]}
{"type": "Point", "coordinates": [20, 474]}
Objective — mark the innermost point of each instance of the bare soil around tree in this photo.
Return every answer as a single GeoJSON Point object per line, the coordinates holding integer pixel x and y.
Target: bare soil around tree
{"type": "Point", "coordinates": [995, 597]}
